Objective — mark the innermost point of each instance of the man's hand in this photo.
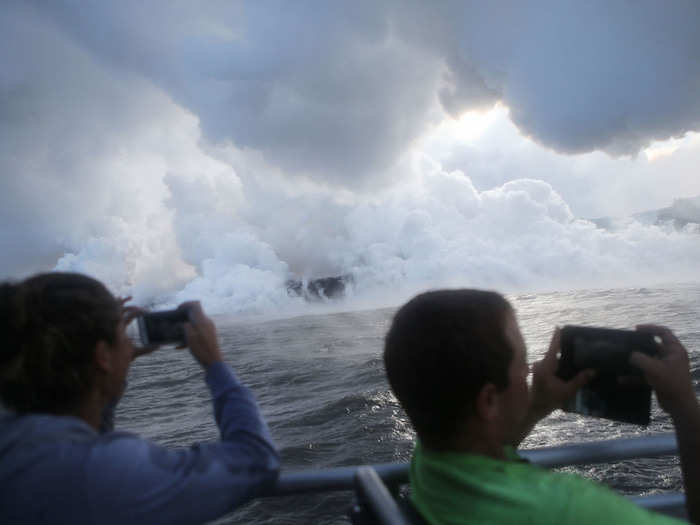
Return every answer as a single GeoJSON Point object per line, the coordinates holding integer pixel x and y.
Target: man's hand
{"type": "Point", "coordinates": [668, 375]}
{"type": "Point", "coordinates": [200, 334]}
{"type": "Point", "coordinates": [550, 392]}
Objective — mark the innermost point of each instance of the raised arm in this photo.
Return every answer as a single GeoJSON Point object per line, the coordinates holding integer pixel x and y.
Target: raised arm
{"type": "Point", "coordinates": [132, 480]}
{"type": "Point", "coordinates": [670, 377]}
{"type": "Point", "coordinates": [548, 391]}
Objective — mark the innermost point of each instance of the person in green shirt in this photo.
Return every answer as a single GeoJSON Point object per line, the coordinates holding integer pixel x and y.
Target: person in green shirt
{"type": "Point", "coordinates": [457, 363]}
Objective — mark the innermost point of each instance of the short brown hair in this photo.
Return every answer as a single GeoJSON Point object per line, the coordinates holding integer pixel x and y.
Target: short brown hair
{"type": "Point", "coordinates": [442, 348]}
{"type": "Point", "coordinates": [50, 325]}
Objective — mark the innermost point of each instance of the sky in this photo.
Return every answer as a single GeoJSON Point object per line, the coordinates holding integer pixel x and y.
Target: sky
{"type": "Point", "coordinates": [180, 150]}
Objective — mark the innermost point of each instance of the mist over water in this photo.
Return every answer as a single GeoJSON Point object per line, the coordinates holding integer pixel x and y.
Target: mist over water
{"type": "Point", "coordinates": [438, 231]}
{"type": "Point", "coordinates": [321, 385]}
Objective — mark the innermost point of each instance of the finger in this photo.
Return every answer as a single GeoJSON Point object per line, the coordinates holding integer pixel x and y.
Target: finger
{"type": "Point", "coordinates": [197, 315]}
{"type": "Point", "coordinates": [123, 300]}
{"type": "Point", "coordinates": [541, 367]}
{"type": "Point", "coordinates": [582, 378]}
{"type": "Point", "coordinates": [646, 364]}
{"type": "Point", "coordinates": [665, 333]}
{"type": "Point", "coordinates": [669, 345]}
{"type": "Point", "coordinates": [194, 311]}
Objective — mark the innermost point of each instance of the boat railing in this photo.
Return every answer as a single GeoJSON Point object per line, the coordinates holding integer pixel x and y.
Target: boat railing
{"type": "Point", "coordinates": [394, 475]}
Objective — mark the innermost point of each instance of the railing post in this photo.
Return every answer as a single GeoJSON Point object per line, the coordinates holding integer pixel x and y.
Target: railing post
{"type": "Point", "coordinates": [373, 493]}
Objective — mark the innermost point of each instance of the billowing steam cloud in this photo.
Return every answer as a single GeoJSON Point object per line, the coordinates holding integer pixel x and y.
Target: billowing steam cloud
{"type": "Point", "coordinates": [181, 151]}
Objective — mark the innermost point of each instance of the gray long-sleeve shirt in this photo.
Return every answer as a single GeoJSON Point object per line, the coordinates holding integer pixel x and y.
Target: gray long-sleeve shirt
{"type": "Point", "coordinates": [58, 469]}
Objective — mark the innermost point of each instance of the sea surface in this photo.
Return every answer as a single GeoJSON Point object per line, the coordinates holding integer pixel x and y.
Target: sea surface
{"type": "Point", "coordinates": [320, 382]}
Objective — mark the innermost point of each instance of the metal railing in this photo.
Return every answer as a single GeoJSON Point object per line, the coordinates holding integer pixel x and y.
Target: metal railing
{"type": "Point", "coordinates": [605, 451]}
{"type": "Point", "coordinates": [395, 474]}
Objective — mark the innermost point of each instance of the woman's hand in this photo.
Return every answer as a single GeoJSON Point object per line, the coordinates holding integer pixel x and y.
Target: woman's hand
{"type": "Point", "coordinates": [200, 335]}
{"type": "Point", "coordinates": [129, 313]}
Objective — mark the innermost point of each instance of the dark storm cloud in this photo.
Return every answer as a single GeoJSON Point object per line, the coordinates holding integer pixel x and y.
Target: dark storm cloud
{"type": "Point", "coordinates": [339, 89]}
{"type": "Point", "coordinates": [319, 87]}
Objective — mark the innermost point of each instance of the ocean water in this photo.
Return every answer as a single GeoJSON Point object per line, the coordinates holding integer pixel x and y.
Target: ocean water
{"type": "Point", "coordinates": [320, 382]}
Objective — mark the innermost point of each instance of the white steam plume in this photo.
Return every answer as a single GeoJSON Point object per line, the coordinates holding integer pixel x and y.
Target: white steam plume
{"type": "Point", "coordinates": [108, 165]}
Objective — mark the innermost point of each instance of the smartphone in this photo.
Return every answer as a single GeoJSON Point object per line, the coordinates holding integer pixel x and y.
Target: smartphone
{"type": "Point", "coordinates": [607, 351]}
{"type": "Point", "coordinates": [162, 328]}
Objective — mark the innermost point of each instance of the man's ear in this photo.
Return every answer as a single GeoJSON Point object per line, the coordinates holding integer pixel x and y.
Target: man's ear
{"type": "Point", "coordinates": [487, 405]}
{"type": "Point", "coordinates": [103, 357]}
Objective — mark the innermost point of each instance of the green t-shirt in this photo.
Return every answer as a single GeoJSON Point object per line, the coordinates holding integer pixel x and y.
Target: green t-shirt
{"type": "Point", "coordinates": [451, 488]}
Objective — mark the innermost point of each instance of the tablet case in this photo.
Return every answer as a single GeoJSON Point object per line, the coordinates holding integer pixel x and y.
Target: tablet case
{"type": "Point", "coordinates": [607, 351]}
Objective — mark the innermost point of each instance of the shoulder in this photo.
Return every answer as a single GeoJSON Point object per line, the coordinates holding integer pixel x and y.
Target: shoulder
{"type": "Point", "coordinates": [123, 450]}
{"type": "Point", "coordinates": [585, 501]}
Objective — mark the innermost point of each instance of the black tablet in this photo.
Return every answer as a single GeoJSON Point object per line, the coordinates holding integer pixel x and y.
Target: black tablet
{"type": "Point", "coordinates": [607, 351]}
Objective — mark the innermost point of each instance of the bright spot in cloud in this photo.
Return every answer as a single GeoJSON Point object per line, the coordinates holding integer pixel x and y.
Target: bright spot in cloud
{"type": "Point", "coordinates": [665, 148]}
{"type": "Point", "coordinates": [471, 125]}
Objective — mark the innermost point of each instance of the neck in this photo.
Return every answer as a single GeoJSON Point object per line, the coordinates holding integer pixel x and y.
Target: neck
{"type": "Point", "coordinates": [482, 444]}
{"type": "Point", "coordinates": [90, 409]}
{"type": "Point", "coordinates": [483, 447]}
